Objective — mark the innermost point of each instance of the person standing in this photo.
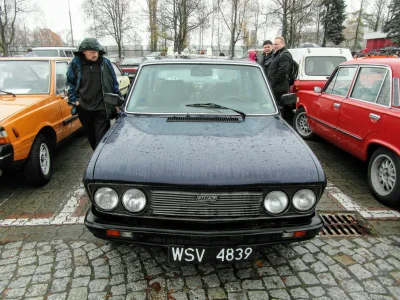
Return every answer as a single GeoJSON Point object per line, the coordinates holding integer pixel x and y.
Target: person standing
{"type": "Point", "coordinates": [30, 52]}
{"type": "Point", "coordinates": [90, 75]}
{"type": "Point", "coordinates": [266, 56]}
{"type": "Point", "coordinates": [278, 72]}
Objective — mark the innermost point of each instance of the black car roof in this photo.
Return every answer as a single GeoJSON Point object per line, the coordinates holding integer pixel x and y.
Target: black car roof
{"type": "Point", "coordinates": [200, 61]}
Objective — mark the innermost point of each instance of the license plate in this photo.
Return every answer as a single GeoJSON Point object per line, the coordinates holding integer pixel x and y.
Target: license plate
{"type": "Point", "coordinates": [218, 254]}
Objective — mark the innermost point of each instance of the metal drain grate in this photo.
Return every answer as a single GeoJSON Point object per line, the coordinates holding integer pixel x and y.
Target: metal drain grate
{"type": "Point", "coordinates": [342, 225]}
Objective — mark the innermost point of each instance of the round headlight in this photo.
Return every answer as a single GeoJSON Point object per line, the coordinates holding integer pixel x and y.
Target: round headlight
{"type": "Point", "coordinates": [134, 200]}
{"type": "Point", "coordinates": [276, 202]}
{"type": "Point", "coordinates": [106, 198]}
{"type": "Point", "coordinates": [303, 200]}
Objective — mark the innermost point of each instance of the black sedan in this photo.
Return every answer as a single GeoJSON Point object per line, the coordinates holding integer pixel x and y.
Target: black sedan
{"type": "Point", "coordinates": [201, 162]}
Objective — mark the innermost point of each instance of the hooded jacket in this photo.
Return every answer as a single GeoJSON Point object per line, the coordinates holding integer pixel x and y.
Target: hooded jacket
{"type": "Point", "coordinates": [109, 80]}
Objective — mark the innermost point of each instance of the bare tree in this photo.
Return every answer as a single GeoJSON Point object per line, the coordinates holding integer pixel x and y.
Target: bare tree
{"type": "Point", "coordinates": [238, 10]}
{"type": "Point", "coordinates": [109, 18]}
{"type": "Point", "coordinates": [10, 10]}
{"type": "Point", "coordinates": [300, 15]}
{"type": "Point", "coordinates": [358, 19]}
{"type": "Point", "coordinates": [374, 20]}
{"type": "Point", "coordinates": [293, 15]}
{"type": "Point", "coordinates": [179, 17]}
{"type": "Point", "coordinates": [152, 9]}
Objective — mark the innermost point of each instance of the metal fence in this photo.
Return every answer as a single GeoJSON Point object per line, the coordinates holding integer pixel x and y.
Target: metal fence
{"type": "Point", "coordinates": [140, 51]}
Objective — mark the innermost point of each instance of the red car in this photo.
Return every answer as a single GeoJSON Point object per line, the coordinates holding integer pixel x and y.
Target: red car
{"type": "Point", "coordinates": [130, 65]}
{"type": "Point", "coordinates": [358, 110]}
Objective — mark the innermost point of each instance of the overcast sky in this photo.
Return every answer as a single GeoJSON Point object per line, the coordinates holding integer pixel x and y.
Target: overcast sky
{"type": "Point", "coordinates": [56, 17]}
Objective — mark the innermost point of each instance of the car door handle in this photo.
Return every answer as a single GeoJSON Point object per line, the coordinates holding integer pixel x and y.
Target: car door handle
{"type": "Point", "coordinates": [336, 105]}
{"type": "Point", "coordinates": [374, 117]}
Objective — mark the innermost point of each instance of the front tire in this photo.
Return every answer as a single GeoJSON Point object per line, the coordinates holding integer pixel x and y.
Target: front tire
{"type": "Point", "coordinates": [301, 124]}
{"type": "Point", "coordinates": [384, 176]}
{"type": "Point", "coordinates": [37, 170]}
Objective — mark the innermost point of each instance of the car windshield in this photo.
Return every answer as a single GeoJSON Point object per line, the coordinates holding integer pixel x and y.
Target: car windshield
{"type": "Point", "coordinates": [322, 65]}
{"type": "Point", "coordinates": [46, 53]}
{"type": "Point", "coordinates": [169, 88]}
{"type": "Point", "coordinates": [128, 61]}
{"type": "Point", "coordinates": [25, 76]}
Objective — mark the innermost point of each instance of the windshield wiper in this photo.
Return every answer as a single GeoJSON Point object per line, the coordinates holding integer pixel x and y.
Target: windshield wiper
{"type": "Point", "coordinates": [213, 105]}
{"type": "Point", "coordinates": [9, 93]}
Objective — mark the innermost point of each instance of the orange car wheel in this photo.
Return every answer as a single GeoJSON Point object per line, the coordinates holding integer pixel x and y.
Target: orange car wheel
{"type": "Point", "coordinates": [37, 169]}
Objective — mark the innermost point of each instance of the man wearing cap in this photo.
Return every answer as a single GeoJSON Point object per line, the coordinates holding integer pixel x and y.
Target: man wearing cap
{"type": "Point", "coordinates": [90, 75]}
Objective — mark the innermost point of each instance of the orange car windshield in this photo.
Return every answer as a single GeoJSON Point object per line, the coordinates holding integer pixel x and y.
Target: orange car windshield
{"type": "Point", "coordinates": [23, 77]}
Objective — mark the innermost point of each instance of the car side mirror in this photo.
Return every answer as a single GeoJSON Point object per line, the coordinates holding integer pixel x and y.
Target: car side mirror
{"type": "Point", "coordinates": [112, 99]}
{"type": "Point", "coordinates": [65, 94]}
{"type": "Point", "coordinates": [317, 89]}
{"type": "Point", "coordinates": [289, 99]}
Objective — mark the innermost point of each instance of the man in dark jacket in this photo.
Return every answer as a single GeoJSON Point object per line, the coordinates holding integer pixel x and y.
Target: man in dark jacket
{"type": "Point", "coordinates": [90, 76]}
{"type": "Point", "coordinates": [278, 71]}
{"type": "Point", "coordinates": [266, 56]}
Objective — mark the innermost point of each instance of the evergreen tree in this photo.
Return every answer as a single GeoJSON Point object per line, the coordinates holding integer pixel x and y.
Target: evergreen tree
{"type": "Point", "coordinates": [392, 26]}
{"type": "Point", "coordinates": [333, 20]}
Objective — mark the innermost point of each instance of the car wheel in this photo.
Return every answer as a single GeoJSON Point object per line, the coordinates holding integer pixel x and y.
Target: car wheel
{"type": "Point", "coordinates": [37, 169]}
{"type": "Point", "coordinates": [301, 124]}
{"type": "Point", "coordinates": [384, 176]}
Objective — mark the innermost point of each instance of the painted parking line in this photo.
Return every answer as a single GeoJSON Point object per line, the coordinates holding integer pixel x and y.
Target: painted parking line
{"type": "Point", "coordinates": [350, 205]}
{"type": "Point", "coordinates": [73, 212]}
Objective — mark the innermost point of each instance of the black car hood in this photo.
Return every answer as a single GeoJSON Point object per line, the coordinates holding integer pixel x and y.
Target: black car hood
{"type": "Point", "coordinates": [260, 150]}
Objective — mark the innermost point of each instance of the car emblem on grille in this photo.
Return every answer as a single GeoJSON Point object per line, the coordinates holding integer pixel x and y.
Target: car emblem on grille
{"type": "Point", "coordinates": [206, 198]}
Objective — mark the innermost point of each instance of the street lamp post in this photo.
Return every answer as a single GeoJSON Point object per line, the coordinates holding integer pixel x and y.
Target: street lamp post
{"type": "Point", "coordinates": [70, 24]}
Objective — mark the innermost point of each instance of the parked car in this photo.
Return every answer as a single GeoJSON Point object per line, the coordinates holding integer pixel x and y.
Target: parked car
{"type": "Point", "coordinates": [316, 65]}
{"type": "Point", "coordinates": [154, 55]}
{"type": "Point", "coordinates": [34, 114]}
{"type": "Point", "coordinates": [359, 111]}
{"type": "Point", "coordinates": [54, 51]}
{"type": "Point", "coordinates": [123, 79]}
{"type": "Point", "coordinates": [203, 164]}
{"type": "Point", "coordinates": [130, 65]}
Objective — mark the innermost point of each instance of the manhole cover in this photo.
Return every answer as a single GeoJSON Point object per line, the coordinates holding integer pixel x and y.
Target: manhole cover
{"type": "Point", "coordinates": [344, 224]}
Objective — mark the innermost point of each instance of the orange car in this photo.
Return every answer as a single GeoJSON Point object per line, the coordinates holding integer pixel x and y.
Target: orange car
{"type": "Point", "coordinates": [34, 114]}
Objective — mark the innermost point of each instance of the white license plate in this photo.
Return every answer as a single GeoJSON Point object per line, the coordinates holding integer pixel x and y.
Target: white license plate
{"type": "Point", "coordinates": [202, 254]}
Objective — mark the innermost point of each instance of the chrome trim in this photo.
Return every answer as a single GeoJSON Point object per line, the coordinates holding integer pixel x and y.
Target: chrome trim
{"type": "Point", "coordinates": [322, 122]}
{"type": "Point", "coordinates": [336, 105]}
{"type": "Point", "coordinates": [70, 120]}
{"type": "Point", "coordinates": [337, 129]}
{"type": "Point", "coordinates": [396, 94]}
{"type": "Point", "coordinates": [5, 156]}
{"type": "Point", "coordinates": [349, 134]}
{"type": "Point", "coordinates": [374, 116]}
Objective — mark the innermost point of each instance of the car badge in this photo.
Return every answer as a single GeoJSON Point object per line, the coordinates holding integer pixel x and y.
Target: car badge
{"type": "Point", "coordinates": [207, 198]}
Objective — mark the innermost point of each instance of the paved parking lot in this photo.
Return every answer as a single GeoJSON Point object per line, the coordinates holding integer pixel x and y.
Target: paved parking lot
{"type": "Point", "coordinates": [46, 252]}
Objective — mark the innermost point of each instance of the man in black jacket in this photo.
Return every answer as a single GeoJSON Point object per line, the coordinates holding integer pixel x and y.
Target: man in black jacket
{"type": "Point", "coordinates": [267, 56]}
{"type": "Point", "coordinates": [278, 71]}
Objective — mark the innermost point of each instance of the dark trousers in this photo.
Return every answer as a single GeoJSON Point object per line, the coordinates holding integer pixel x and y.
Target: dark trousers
{"type": "Point", "coordinates": [94, 123]}
{"type": "Point", "coordinates": [279, 103]}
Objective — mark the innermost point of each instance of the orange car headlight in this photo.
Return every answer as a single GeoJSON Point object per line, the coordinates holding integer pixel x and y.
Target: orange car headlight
{"type": "Point", "coordinates": [4, 136]}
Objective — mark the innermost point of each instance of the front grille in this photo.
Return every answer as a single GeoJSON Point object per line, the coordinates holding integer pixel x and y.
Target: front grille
{"type": "Point", "coordinates": [198, 204]}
